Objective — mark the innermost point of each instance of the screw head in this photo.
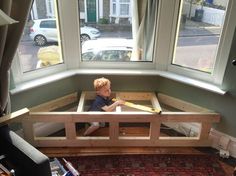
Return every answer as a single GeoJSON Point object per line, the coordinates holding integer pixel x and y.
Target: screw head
{"type": "Point", "coordinates": [234, 62]}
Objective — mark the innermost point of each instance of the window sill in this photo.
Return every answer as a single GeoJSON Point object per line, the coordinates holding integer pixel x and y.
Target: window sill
{"type": "Point", "coordinates": [49, 79]}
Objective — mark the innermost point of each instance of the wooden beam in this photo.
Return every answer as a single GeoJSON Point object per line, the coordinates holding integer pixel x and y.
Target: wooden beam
{"type": "Point", "coordinates": [122, 142]}
{"type": "Point", "coordinates": [15, 116]}
{"type": "Point", "coordinates": [55, 104]}
{"type": "Point", "coordinates": [81, 102]}
{"type": "Point", "coordinates": [113, 131]}
{"type": "Point", "coordinates": [155, 131]}
{"type": "Point", "coordinates": [155, 102]}
{"type": "Point", "coordinates": [180, 104]}
{"type": "Point", "coordinates": [123, 117]}
{"type": "Point", "coordinates": [70, 130]}
{"type": "Point", "coordinates": [128, 96]}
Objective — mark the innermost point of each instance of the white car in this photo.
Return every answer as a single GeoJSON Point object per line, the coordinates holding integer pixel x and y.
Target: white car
{"type": "Point", "coordinates": [44, 30]}
{"type": "Point", "coordinates": [110, 49]}
{"type": "Point", "coordinates": [104, 50]}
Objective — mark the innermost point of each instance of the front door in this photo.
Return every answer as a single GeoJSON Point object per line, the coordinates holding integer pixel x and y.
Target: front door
{"type": "Point", "coordinates": [91, 11]}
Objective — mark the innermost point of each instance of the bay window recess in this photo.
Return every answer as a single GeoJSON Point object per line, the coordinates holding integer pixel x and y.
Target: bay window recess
{"type": "Point", "coordinates": [176, 36]}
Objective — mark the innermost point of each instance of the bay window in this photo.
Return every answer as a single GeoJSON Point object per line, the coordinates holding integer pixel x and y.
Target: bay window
{"type": "Point", "coordinates": [147, 35]}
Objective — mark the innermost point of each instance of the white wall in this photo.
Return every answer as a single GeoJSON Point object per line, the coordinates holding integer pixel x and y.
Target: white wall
{"type": "Point", "coordinates": [211, 15]}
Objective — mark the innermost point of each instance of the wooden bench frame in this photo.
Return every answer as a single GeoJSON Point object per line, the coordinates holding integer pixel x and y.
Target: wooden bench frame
{"type": "Point", "coordinates": [189, 114]}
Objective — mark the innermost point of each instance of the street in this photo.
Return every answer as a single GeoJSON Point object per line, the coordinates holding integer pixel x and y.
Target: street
{"type": "Point", "coordinates": [192, 51]}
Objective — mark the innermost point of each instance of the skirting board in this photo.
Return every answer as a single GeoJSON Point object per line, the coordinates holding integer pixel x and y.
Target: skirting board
{"type": "Point", "coordinates": [215, 137]}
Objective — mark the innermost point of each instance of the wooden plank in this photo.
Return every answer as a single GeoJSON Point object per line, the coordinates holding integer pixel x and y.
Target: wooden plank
{"type": "Point", "coordinates": [81, 151]}
{"type": "Point", "coordinates": [70, 130]}
{"type": "Point", "coordinates": [135, 95]}
{"type": "Point", "coordinates": [49, 117]}
{"type": "Point", "coordinates": [140, 107]}
{"type": "Point", "coordinates": [15, 116]}
{"type": "Point", "coordinates": [180, 104]}
{"type": "Point", "coordinates": [155, 131]}
{"type": "Point", "coordinates": [205, 131]}
{"type": "Point", "coordinates": [81, 102]}
{"type": "Point", "coordinates": [28, 131]}
{"type": "Point", "coordinates": [155, 102]}
{"type": "Point", "coordinates": [55, 104]}
{"type": "Point", "coordinates": [139, 141]}
{"type": "Point", "coordinates": [113, 131]}
{"type": "Point", "coordinates": [124, 117]}
{"type": "Point", "coordinates": [89, 95]}
{"type": "Point", "coordinates": [189, 117]}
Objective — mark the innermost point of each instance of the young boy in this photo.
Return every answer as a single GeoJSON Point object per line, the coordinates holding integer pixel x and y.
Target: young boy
{"type": "Point", "coordinates": [102, 101]}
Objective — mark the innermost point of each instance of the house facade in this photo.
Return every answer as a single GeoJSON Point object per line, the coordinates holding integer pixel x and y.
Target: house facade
{"type": "Point", "coordinates": [91, 11]}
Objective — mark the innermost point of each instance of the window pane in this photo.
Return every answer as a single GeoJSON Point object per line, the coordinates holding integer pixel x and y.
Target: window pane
{"type": "Point", "coordinates": [108, 34]}
{"type": "Point", "coordinates": [200, 28]}
{"type": "Point", "coordinates": [114, 8]}
{"type": "Point", "coordinates": [124, 9]}
{"type": "Point", "coordinates": [39, 45]}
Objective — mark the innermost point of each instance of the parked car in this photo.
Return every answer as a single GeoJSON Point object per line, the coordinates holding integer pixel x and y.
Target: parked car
{"type": "Point", "coordinates": [105, 50]}
{"type": "Point", "coordinates": [44, 30]}
{"type": "Point", "coordinates": [112, 49]}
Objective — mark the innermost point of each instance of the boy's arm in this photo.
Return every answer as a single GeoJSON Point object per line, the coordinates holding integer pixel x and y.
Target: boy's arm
{"type": "Point", "coordinates": [113, 106]}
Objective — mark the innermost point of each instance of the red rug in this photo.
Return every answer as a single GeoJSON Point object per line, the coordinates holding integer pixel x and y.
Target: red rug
{"type": "Point", "coordinates": [147, 165]}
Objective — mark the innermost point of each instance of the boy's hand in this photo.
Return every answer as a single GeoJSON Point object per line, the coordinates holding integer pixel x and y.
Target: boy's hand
{"type": "Point", "coordinates": [120, 102]}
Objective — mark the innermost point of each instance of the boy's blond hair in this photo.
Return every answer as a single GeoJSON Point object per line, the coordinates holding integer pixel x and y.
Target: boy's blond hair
{"type": "Point", "coordinates": [100, 82]}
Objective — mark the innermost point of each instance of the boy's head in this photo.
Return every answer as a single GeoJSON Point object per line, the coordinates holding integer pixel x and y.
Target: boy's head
{"type": "Point", "coordinates": [102, 87]}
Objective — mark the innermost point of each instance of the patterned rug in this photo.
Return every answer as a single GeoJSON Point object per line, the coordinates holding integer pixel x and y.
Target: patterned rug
{"type": "Point", "coordinates": [147, 165]}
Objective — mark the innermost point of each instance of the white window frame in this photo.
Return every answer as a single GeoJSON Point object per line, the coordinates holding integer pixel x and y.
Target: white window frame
{"type": "Point", "coordinates": [165, 35]}
{"type": "Point", "coordinates": [166, 44]}
{"type": "Point", "coordinates": [70, 41]}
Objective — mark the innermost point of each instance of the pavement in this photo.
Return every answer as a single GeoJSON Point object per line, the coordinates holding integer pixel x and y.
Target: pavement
{"type": "Point", "coordinates": [194, 28]}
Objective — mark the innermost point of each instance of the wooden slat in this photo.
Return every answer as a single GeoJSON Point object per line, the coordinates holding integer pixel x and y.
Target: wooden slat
{"type": "Point", "coordinates": [81, 102]}
{"type": "Point", "coordinates": [28, 131]}
{"type": "Point", "coordinates": [15, 116]}
{"type": "Point", "coordinates": [135, 95]}
{"type": "Point", "coordinates": [205, 131]}
{"type": "Point", "coordinates": [55, 104]}
{"type": "Point", "coordinates": [124, 117]}
{"type": "Point", "coordinates": [89, 95]}
{"type": "Point", "coordinates": [132, 142]}
{"type": "Point", "coordinates": [70, 130]}
{"type": "Point", "coordinates": [180, 104]}
{"type": "Point", "coordinates": [155, 131]}
{"type": "Point", "coordinates": [114, 131]}
{"type": "Point", "coordinates": [155, 102]}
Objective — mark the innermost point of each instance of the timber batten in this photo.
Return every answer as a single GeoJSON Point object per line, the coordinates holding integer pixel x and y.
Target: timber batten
{"type": "Point", "coordinates": [203, 117]}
